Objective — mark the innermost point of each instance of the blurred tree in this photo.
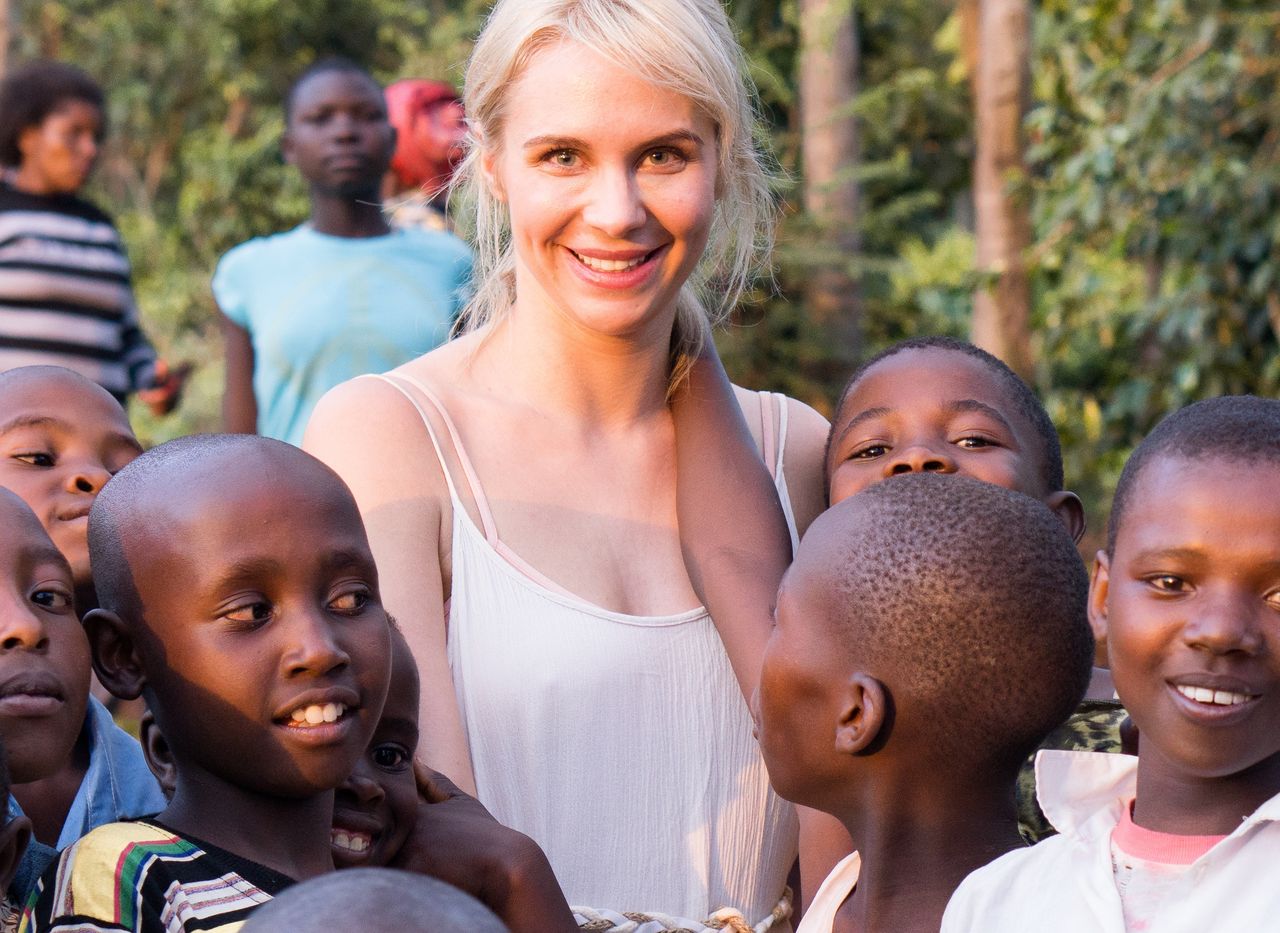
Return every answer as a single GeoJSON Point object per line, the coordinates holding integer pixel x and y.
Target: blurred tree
{"type": "Point", "coordinates": [827, 83]}
{"type": "Point", "coordinates": [996, 51]}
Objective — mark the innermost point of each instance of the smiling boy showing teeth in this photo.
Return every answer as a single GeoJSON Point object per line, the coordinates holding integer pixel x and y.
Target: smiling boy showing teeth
{"type": "Point", "coordinates": [238, 593]}
{"type": "Point", "coordinates": [1187, 593]}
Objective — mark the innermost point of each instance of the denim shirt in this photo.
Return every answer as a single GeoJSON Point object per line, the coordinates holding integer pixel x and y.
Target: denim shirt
{"type": "Point", "coordinates": [117, 786]}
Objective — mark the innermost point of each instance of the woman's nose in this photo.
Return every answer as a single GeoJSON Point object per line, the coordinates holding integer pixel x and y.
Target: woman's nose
{"type": "Point", "coordinates": [615, 205]}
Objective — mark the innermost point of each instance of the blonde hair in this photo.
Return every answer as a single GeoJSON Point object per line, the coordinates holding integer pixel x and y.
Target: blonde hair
{"type": "Point", "coordinates": [685, 45]}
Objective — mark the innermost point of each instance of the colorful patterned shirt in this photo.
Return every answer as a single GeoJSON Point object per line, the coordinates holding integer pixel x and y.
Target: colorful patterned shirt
{"type": "Point", "coordinates": [144, 878]}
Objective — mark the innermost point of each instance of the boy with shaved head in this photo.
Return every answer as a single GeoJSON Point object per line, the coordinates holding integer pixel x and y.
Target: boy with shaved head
{"type": "Point", "coordinates": [931, 632]}
{"type": "Point", "coordinates": [239, 596]}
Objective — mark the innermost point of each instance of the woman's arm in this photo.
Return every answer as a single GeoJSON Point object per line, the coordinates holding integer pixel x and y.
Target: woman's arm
{"type": "Point", "coordinates": [239, 407]}
{"type": "Point", "coordinates": [733, 532]}
{"type": "Point", "coordinates": [375, 440]}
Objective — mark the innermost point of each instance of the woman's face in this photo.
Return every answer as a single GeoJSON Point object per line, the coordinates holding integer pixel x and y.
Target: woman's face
{"type": "Point", "coordinates": [59, 152]}
{"type": "Point", "coordinates": [610, 182]}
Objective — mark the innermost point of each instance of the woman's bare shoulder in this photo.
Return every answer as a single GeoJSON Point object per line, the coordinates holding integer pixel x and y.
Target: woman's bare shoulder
{"type": "Point", "coordinates": [804, 461]}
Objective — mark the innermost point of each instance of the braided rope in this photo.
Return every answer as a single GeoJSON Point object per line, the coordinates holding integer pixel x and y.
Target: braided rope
{"type": "Point", "coordinates": [726, 919]}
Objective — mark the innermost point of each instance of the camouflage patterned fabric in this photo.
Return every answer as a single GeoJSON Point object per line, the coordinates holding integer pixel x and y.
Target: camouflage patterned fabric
{"type": "Point", "coordinates": [1093, 727]}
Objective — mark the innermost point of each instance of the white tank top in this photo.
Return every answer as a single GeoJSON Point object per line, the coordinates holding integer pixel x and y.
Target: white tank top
{"type": "Point", "coordinates": [620, 743]}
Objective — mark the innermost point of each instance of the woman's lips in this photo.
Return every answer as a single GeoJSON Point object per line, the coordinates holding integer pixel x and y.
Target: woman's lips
{"type": "Point", "coordinates": [619, 270]}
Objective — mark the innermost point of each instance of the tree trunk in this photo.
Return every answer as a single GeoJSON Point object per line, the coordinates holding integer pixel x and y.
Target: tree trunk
{"type": "Point", "coordinates": [6, 29]}
{"type": "Point", "coordinates": [1002, 312]}
{"type": "Point", "coordinates": [828, 82]}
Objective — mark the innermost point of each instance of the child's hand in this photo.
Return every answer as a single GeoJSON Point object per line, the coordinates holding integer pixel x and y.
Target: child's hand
{"type": "Point", "coordinates": [456, 840]}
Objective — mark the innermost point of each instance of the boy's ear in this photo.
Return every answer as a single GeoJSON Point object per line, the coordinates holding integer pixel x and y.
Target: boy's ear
{"type": "Point", "coordinates": [1068, 507]}
{"type": "Point", "coordinates": [156, 751]}
{"type": "Point", "coordinates": [115, 656]}
{"type": "Point", "coordinates": [14, 837]}
{"type": "Point", "coordinates": [864, 714]}
{"type": "Point", "coordinates": [1098, 587]}
{"type": "Point", "coordinates": [286, 147]}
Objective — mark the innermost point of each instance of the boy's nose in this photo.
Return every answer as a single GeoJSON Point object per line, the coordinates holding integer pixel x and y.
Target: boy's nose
{"type": "Point", "coordinates": [363, 788]}
{"type": "Point", "coordinates": [918, 459]}
{"type": "Point", "coordinates": [21, 628]}
{"type": "Point", "coordinates": [86, 478]}
{"type": "Point", "coordinates": [314, 647]}
{"type": "Point", "coordinates": [1223, 624]}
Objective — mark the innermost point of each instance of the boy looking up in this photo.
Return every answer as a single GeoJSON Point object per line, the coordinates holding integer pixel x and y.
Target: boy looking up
{"type": "Point", "coordinates": [1185, 836]}
{"type": "Point", "coordinates": [929, 635]}
{"type": "Point", "coordinates": [240, 598]}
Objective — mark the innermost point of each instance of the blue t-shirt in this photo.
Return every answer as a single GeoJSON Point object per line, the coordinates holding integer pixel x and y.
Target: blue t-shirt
{"type": "Point", "coordinates": [323, 309]}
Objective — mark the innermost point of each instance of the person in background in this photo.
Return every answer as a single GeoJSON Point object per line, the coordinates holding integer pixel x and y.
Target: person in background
{"type": "Point", "coordinates": [430, 129]}
{"type": "Point", "coordinates": [342, 294]}
{"type": "Point", "coordinates": [66, 296]}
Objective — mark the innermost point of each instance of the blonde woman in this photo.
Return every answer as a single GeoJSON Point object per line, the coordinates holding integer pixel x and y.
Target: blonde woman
{"type": "Point", "coordinates": [519, 482]}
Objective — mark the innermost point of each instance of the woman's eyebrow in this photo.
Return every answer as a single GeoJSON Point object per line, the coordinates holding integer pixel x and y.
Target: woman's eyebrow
{"type": "Point", "coordinates": [551, 141]}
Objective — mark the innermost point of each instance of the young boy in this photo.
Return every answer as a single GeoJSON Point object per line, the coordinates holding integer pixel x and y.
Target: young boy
{"type": "Point", "coordinates": [343, 294]}
{"type": "Point", "coordinates": [62, 436]}
{"type": "Point", "coordinates": [239, 596]}
{"type": "Point", "coordinates": [1183, 837]}
{"type": "Point", "coordinates": [385, 815]}
{"type": "Point", "coordinates": [929, 635]}
{"type": "Point", "coordinates": [933, 405]}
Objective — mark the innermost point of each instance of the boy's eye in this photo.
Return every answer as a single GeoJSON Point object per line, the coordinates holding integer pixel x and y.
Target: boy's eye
{"type": "Point", "coordinates": [36, 458]}
{"type": "Point", "coordinates": [1167, 583]}
{"type": "Point", "coordinates": [390, 757]}
{"type": "Point", "coordinates": [349, 602]}
{"type": "Point", "coordinates": [250, 613]}
{"type": "Point", "coordinates": [975, 442]}
{"type": "Point", "coordinates": [51, 599]}
{"type": "Point", "coordinates": [870, 452]}
{"type": "Point", "coordinates": [1273, 599]}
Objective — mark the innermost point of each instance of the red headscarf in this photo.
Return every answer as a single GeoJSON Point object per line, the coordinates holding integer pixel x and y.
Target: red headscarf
{"type": "Point", "coordinates": [427, 116]}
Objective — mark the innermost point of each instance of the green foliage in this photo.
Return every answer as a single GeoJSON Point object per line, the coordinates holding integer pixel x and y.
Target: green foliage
{"type": "Point", "coordinates": [1154, 183]}
{"type": "Point", "coordinates": [1155, 187]}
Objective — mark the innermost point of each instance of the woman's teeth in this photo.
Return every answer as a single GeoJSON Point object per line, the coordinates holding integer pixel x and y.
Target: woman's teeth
{"type": "Point", "coordinates": [351, 842]}
{"type": "Point", "coordinates": [1216, 697]}
{"type": "Point", "coordinates": [315, 714]}
{"type": "Point", "coordinates": [610, 265]}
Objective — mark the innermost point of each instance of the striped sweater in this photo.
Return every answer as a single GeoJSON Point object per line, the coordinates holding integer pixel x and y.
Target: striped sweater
{"type": "Point", "coordinates": [65, 292]}
{"type": "Point", "coordinates": [144, 878]}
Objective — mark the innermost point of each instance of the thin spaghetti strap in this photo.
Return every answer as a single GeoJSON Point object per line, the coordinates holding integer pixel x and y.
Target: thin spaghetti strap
{"type": "Point", "coordinates": [775, 461]}
{"type": "Point", "coordinates": [473, 480]}
{"type": "Point", "coordinates": [431, 432]}
{"type": "Point", "coordinates": [768, 450]}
